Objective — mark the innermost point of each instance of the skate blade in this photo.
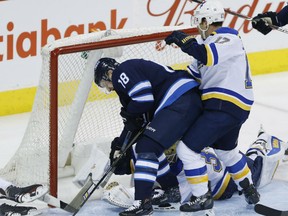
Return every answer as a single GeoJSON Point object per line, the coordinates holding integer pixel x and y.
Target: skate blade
{"type": "Point", "coordinates": [207, 212]}
{"type": "Point", "coordinates": [167, 207]}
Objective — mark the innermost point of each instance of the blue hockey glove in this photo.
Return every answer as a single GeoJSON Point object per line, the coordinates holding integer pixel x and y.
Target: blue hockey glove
{"type": "Point", "coordinates": [132, 122]}
{"type": "Point", "coordinates": [123, 166]}
{"type": "Point", "coordinates": [179, 38]}
{"type": "Point", "coordinates": [260, 22]}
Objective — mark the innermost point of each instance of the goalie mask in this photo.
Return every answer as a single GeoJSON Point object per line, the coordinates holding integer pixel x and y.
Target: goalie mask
{"type": "Point", "coordinates": [101, 69]}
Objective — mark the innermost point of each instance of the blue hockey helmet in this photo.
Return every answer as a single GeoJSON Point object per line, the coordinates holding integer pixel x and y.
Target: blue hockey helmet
{"type": "Point", "coordinates": [101, 69]}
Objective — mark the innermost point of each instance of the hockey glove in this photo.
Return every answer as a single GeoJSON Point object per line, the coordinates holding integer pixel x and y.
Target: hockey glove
{"type": "Point", "coordinates": [131, 121]}
{"type": "Point", "coordinates": [180, 39]}
{"type": "Point", "coordinates": [261, 22]}
{"type": "Point", "coordinates": [123, 166]}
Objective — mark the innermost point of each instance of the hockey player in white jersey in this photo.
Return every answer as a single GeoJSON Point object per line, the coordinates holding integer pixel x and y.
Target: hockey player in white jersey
{"type": "Point", "coordinates": [20, 195]}
{"type": "Point", "coordinates": [263, 157]}
{"type": "Point", "coordinates": [222, 68]}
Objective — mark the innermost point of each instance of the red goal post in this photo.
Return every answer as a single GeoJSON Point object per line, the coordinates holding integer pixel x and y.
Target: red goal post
{"type": "Point", "coordinates": [69, 110]}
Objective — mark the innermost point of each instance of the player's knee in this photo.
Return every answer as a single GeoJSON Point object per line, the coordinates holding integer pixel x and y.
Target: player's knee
{"type": "Point", "coordinates": [229, 157]}
{"type": "Point", "coordinates": [193, 146]}
{"type": "Point", "coordinates": [146, 144]}
{"type": "Point", "coordinates": [185, 153]}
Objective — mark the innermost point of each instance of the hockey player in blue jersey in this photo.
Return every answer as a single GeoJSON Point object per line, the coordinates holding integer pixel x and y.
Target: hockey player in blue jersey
{"type": "Point", "coordinates": [172, 100]}
{"type": "Point", "coordinates": [261, 21]}
{"type": "Point", "coordinates": [222, 68]}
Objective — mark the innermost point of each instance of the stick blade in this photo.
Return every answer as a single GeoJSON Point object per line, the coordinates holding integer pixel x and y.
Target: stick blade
{"type": "Point", "coordinates": [80, 199]}
{"type": "Point", "coordinates": [266, 210]}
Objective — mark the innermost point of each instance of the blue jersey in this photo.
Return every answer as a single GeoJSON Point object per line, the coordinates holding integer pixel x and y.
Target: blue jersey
{"type": "Point", "coordinates": [145, 86]}
{"type": "Point", "coordinates": [283, 16]}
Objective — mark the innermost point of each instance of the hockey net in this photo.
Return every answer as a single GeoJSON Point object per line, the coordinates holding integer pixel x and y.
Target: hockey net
{"type": "Point", "coordinates": [69, 110]}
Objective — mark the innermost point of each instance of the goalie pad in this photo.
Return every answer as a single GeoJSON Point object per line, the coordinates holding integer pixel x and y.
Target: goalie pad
{"type": "Point", "coordinates": [118, 195]}
{"type": "Point", "coordinates": [272, 150]}
{"type": "Point", "coordinates": [121, 196]}
{"type": "Point", "coordinates": [96, 164]}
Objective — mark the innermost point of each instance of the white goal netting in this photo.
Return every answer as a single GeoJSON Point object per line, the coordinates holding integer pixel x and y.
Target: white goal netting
{"type": "Point", "coordinates": [85, 114]}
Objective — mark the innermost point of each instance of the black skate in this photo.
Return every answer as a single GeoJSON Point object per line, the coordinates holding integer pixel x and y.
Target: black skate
{"type": "Point", "coordinates": [169, 201]}
{"type": "Point", "coordinates": [250, 192]}
{"type": "Point", "coordinates": [7, 210]}
{"type": "Point", "coordinates": [26, 194]}
{"type": "Point", "coordinates": [139, 207]}
{"type": "Point", "coordinates": [159, 197]}
{"type": "Point", "coordinates": [202, 203]}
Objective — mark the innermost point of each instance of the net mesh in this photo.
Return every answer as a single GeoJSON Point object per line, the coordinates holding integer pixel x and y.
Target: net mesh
{"type": "Point", "coordinates": [85, 114]}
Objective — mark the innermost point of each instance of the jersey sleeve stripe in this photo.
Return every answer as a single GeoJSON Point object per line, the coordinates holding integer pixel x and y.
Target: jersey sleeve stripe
{"type": "Point", "coordinates": [175, 91]}
{"type": "Point", "coordinates": [212, 54]}
{"type": "Point", "coordinates": [209, 56]}
{"type": "Point", "coordinates": [139, 87]}
{"type": "Point", "coordinates": [143, 98]}
{"type": "Point", "coordinates": [215, 53]}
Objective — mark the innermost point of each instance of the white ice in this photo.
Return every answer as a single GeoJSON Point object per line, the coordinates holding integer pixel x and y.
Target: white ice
{"type": "Point", "coordinates": [270, 110]}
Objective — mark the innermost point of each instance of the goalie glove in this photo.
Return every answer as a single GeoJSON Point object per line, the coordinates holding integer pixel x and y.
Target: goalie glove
{"type": "Point", "coordinates": [118, 195]}
{"type": "Point", "coordinates": [261, 22]}
{"type": "Point", "coordinates": [180, 39]}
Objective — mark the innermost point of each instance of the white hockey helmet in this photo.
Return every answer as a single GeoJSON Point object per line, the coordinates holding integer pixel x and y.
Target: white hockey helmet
{"type": "Point", "coordinates": [211, 10]}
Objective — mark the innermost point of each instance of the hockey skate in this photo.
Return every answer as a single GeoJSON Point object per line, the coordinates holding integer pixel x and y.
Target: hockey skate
{"type": "Point", "coordinates": [250, 192]}
{"type": "Point", "coordinates": [202, 205]}
{"type": "Point", "coordinates": [170, 201]}
{"type": "Point", "coordinates": [139, 207]}
{"type": "Point", "coordinates": [26, 194]}
{"type": "Point", "coordinates": [7, 210]}
{"type": "Point", "coordinates": [159, 197]}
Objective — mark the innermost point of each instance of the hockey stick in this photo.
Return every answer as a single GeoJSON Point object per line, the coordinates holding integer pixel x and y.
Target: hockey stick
{"type": "Point", "coordinates": [266, 210]}
{"type": "Point", "coordinates": [278, 28]}
{"type": "Point", "coordinates": [127, 138]}
{"type": "Point", "coordinates": [82, 197]}
{"type": "Point", "coordinates": [53, 201]}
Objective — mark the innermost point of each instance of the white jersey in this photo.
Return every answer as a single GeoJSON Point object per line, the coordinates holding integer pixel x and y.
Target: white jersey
{"type": "Point", "coordinates": [226, 76]}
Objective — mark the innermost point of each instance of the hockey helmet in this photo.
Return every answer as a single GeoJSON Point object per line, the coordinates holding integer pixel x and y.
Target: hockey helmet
{"type": "Point", "coordinates": [212, 11]}
{"type": "Point", "coordinates": [101, 69]}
